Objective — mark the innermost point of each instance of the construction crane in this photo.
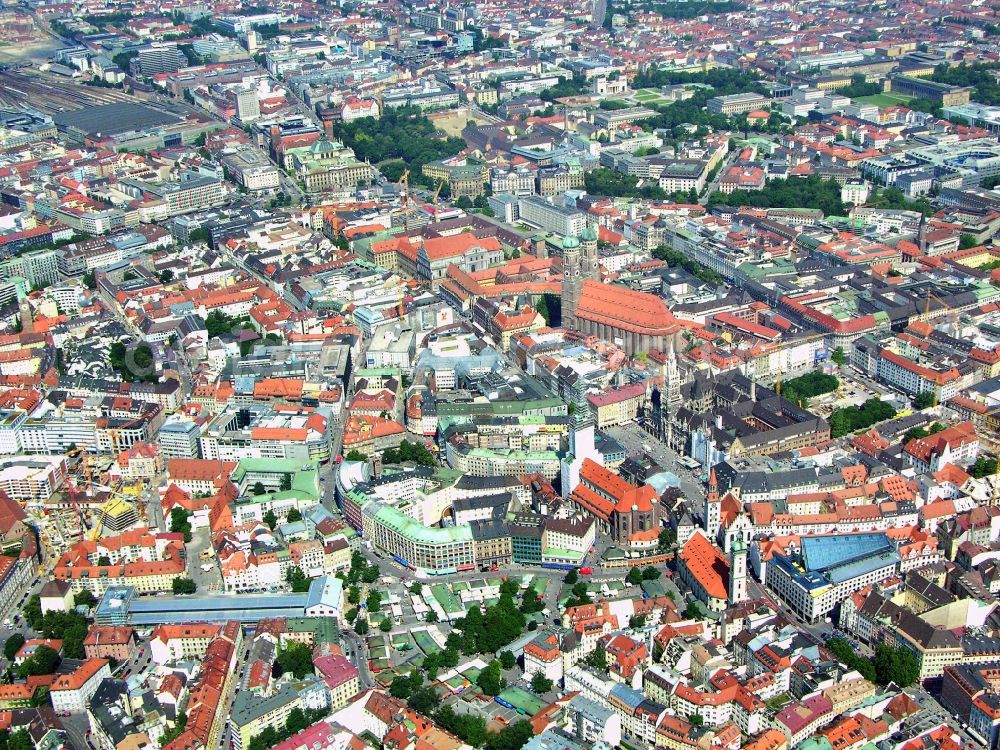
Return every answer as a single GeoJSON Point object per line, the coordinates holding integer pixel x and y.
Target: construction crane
{"type": "Point", "coordinates": [927, 303]}
{"type": "Point", "coordinates": [404, 185]}
{"type": "Point", "coordinates": [84, 458]}
{"type": "Point", "coordinates": [435, 200]}
{"type": "Point", "coordinates": [73, 491]}
{"type": "Point", "coordinates": [114, 432]}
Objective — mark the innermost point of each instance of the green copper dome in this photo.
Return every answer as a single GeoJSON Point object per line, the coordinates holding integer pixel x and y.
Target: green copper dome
{"type": "Point", "coordinates": [588, 235]}
{"type": "Point", "coordinates": [569, 242]}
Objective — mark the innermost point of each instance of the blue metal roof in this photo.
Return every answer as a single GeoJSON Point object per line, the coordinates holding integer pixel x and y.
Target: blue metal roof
{"type": "Point", "coordinates": [216, 615]}
{"type": "Point", "coordinates": [243, 607]}
{"type": "Point", "coordinates": [219, 602]}
{"type": "Point", "coordinates": [628, 695]}
{"type": "Point", "coordinates": [824, 552]}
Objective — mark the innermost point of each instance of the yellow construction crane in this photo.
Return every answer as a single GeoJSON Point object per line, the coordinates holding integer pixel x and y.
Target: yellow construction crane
{"type": "Point", "coordinates": [927, 303]}
{"type": "Point", "coordinates": [435, 200]}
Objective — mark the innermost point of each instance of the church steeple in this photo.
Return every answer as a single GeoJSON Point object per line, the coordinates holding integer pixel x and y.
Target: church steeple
{"type": "Point", "coordinates": [572, 281]}
{"type": "Point", "coordinates": [713, 507]}
{"type": "Point", "coordinates": [738, 571]}
{"type": "Point", "coordinates": [671, 397]}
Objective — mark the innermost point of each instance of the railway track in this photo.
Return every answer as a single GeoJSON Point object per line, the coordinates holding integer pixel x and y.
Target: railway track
{"type": "Point", "coordinates": [50, 94]}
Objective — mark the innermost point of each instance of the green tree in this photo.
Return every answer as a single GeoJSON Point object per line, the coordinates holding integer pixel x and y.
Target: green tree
{"type": "Point", "coordinates": [696, 720]}
{"type": "Point", "coordinates": [540, 683]}
{"type": "Point", "coordinates": [423, 700]}
{"type": "Point", "coordinates": [853, 418]}
{"type": "Point", "coordinates": [491, 680]}
{"type": "Point", "coordinates": [530, 601]}
{"type": "Point", "coordinates": [184, 586]}
{"type": "Point", "coordinates": [637, 621]}
{"type": "Point", "coordinates": [668, 538]}
{"type": "Point", "coordinates": [180, 522]}
{"type": "Point", "coordinates": [258, 488]}
{"type": "Point", "coordinates": [897, 665]}
{"type": "Point", "coordinates": [981, 76]}
{"type": "Point", "coordinates": [73, 638]}
{"type": "Point", "coordinates": [296, 721]}
{"type": "Point", "coordinates": [355, 455]}
{"type": "Point", "coordinates": [838, 356]}
{"type": "Point", "coordinates": [650, 573]}
{"type": "Point", "coordinates": [33, 611]}
{"type": "Point", "coordinates": [44, 660]}
{"type": "Point", "coordinates": [511, 737]}
{"type": "Point", "coordinates": [579, 595]}
{"type": "Point", "coordinates": [354, 595]}
{"type": "Point", "coordinates": [12, 645]}
{"type": "Point", "coordinates": [924, 400]}
{"type": "Point", "coordinates": [799, 192]}
{"type": "Point", "coordinates": [571, 577]}
{"type": "Point", "coordinates": [295, 658]}
{"type": "Point", "coordinates": [799, 390]}
{"type": "Point", "coordinates": [293, 515]}
{"type": "Point", "coordinates": [270, 519]}
{"type": "Point", "coordinates": [467, 727]}
{"type": "Point", "coordinates": [464, 203]}
{"type": "Point", "coordinates": [402, 685]}
{"type": "Point", "coordinates": [507, 660]}
{"type": "Point", "coordinates": [431, 616]}
{"type": "Point", "coordinates": [634, 576]}
{"type": "Point", "coordinates": [598, 659]}
{"type": "Point", "coordinates": [374, 600]}
{"type": "Point", "coordinates": [983, 467]}
{"type": "Point", "coordinates": [103, 561]}
{"type": "Point", "coordinates": [297, 579]}
{"type": "Point", "coordinates": [846, 654]}
{"type": "Point", "coordinates": [416, 452]}
{"type": "Point", "coordinates": [84, 599]}
{"type": "Point", "coordinates": [21, 740]}
{"type": "Point", "coordinates": [402, 134]}
{"type": "Point", "coordinates": [361, 626]}
{"type": "Point", "coordinates": [386, 625]}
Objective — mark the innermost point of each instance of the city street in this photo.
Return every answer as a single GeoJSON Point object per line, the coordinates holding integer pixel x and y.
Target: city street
{"type": "Point", "coordinates": [637, 442]}
{"type": "Point", "coordinates": [355, 649]}
{"type": "Point", "coordinates": [77, 726]}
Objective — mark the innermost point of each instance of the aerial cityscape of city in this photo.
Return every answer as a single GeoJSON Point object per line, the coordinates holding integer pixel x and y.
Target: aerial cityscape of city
{"type": "Point", "coordinates": [499, 375]}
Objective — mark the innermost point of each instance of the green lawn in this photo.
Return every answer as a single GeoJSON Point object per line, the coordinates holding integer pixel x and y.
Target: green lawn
{"type": "Point", "coordinates": [884, 100]}
{"type": "Point", "coordinates": [648, 96]}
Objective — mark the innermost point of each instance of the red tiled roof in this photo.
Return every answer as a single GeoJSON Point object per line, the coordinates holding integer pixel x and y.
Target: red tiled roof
{"type": "Point", "coordinates": [618, 307]}
{"type": "Point", "coordinates": [705, 562]}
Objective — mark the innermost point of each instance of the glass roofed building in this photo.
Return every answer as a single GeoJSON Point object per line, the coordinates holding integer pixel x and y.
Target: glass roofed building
{"type": "Point", "coordinates": [829, 568]}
